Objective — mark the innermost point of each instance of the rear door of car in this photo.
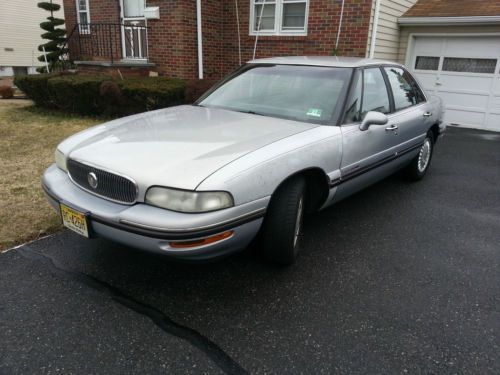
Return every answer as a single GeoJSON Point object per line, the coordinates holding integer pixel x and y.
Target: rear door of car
{"type": "Point", "coordinates": [410, 113]}
{"type": "Point", "coordinates": [366, 154]}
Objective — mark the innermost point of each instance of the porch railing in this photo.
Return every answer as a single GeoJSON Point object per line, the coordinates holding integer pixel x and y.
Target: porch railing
{"type": "Point", "coordinates": [107, 42]}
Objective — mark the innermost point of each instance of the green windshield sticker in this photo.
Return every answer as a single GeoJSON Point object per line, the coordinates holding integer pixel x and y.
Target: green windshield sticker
{"type": "Point", "coordinates": [314, 112]}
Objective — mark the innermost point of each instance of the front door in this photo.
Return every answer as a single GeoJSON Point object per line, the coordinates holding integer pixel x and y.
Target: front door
{"type": "Point", "coordinates": [409, 113]}
{"type": "Point", "coordinates": [134, 32]}
{"type": "Point", "coordinates": [365, 152]}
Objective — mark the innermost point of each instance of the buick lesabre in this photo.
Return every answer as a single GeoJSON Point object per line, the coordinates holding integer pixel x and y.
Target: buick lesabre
{"type": "Point", "coordinates": [278, 138]}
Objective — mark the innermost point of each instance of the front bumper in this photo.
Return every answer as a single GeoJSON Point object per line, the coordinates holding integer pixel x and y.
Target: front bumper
{"type": "Point", "coordinates": [153, 229]}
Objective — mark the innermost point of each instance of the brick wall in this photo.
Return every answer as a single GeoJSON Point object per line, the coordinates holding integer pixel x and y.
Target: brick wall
{"type": "Point", "coordinates": [173, 38]}
{"type": "Point", "coordinates": [323, 23]}
{"type": "Point", "coordinates": [69, 14]}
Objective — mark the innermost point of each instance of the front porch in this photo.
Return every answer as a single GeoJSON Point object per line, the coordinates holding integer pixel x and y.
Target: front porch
{"type": "Point", "coordinates": [108, 47]}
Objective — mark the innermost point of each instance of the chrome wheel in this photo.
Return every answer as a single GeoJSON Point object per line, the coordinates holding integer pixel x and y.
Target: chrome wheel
{"type": "Point", "coordinates": [298, 221]}
{"type": "Point", "coordinates": [424, 155]}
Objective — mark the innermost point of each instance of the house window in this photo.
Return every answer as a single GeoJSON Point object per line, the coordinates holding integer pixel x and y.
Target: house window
{"type": "Point", "coordinates": [133, 8]}
{"type": "Point", "coordinates": [83, 15]}
{"type": "Point", "coordinates": [279, 17]}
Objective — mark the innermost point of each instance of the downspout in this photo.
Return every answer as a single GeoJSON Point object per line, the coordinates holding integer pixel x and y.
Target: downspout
{"type": "Point", "coordinates": [374, 29]}
{"type": "Point", "coordinates": [258, 29]}
{"type": "Point", "coordinates": [200, 41]}
{"type": "Point", "coordinates": [340, 27]}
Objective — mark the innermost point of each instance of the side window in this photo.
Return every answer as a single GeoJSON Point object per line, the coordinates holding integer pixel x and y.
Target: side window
{"type": "Point", "coordinates": [353, 111]}
{"type": "Point", "coordinates": [369, 94]}
{"type": "Point", "coordinates": [404, 88]}
{"type": "Point", "coordinates": [419, 95]}
{"type": "Point", "coordinates": [375, 97]}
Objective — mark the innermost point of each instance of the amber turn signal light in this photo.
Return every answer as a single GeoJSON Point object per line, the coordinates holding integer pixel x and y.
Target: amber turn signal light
{"type": "Point", "coordinates": [202, 241]}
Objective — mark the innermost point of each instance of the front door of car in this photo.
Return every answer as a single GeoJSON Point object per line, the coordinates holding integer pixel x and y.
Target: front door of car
{"type": "Point", "coordinates": [366, 154]}
{"type": "Point", "coordinates": [410, 112]}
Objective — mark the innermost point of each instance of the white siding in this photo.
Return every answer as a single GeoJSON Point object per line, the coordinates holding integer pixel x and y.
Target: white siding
{"type": "Point", "coordinates": [20, 31]}
{"type": "Point", "coordinates": [387, 38]}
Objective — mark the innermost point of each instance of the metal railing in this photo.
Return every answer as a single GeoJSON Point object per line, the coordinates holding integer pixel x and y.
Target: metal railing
{"type": "Point", "coordinates": [107, 42]}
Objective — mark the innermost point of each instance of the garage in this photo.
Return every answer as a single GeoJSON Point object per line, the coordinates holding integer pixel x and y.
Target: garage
{"type": "Point", "coordinates": [464, 72]}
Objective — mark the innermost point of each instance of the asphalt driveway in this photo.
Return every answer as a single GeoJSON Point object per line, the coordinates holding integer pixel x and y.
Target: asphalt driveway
{"type": "Point", "coordinates": [400, 278]}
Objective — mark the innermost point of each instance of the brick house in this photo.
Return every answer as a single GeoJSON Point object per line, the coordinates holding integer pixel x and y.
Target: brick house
{"type": "Point", "coordinates": [209, 38]}
{"type": "Point", "coordinates": [452, 46]}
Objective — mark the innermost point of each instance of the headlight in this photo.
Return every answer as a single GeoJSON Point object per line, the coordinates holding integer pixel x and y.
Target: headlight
{"type": "Point", "coordinates": [61, 160]}
{"type": "Point", "coordinates": [188, 201]}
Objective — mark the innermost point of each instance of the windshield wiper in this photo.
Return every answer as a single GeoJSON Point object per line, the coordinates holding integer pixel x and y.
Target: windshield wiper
{"type": "Point", "coordinates": [249, 112]}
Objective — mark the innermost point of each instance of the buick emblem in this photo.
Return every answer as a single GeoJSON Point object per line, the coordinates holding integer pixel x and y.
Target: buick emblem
{"type": "Point", "coordinates": [92, 180]}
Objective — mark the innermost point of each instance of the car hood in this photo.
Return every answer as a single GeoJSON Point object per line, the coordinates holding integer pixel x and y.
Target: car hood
{"type": "Point", "coordinates": [177, 147]}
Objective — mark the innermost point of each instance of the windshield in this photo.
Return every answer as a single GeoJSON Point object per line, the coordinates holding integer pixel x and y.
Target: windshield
{"type": "Point", "coordinates": [297, 92]}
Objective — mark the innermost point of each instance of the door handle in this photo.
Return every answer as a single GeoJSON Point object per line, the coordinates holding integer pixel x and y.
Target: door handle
{"type": "Point", "coordinates": [391, 128]}
{"type": "Point", "coordinates": [427, 114]}
{"type": "Point", "coordinates": [438, 84]}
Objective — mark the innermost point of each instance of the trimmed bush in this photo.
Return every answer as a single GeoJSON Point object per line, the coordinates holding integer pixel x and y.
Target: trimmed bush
{"type": "Point", "coordinates": [96, 95]}
{"type": "Point", "coordinates": [56, 37]}
{"type": "Point", "coordinates": [146, 94]}
{"type": "Point", "coordinates": [36, 88]}
{"type": "Point", "coordinates": [79, 94]}
{"type": "Point", "coordinates": [6, 92]}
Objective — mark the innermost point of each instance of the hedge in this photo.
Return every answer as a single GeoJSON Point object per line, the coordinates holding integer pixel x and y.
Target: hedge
{"type": "Point", "coordinates": [36, 88]}
{"type": "Point", "coordinates": [101, 94]}
{"type": "Point", "coordinates": [145, 94]}
{"type": "Point", "coordinates": [79, 94]}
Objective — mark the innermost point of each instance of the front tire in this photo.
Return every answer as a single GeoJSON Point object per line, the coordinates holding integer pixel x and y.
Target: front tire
{"type": "Point", "coordinates": [282, 227]}
{"type": "Point", "coordinates": [418, 167]}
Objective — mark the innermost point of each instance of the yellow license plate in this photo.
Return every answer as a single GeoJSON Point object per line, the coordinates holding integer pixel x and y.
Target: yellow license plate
{"type": "Point", "coordinates": [74, 220]}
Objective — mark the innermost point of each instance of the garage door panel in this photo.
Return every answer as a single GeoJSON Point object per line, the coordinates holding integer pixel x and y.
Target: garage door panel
{"type": "Point", "coordinates": [472, 102]}
{"type": "Point", "coordinates": [496, 87]}
{"type": "Point", "coordinates": [473, 83]}
{"type": "Point", "coordinates": [475, 47]}
{"type": "Point", "coordinates": [464, 117]}
{"type": "Point", "coordinates": [431, 46]}
{"type": "Point", "coordinates": [495, 104]}
{"type": "Point", "coordinates": [493, 122]}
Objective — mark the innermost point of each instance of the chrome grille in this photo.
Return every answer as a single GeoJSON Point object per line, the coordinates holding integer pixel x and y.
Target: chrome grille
{"type": "Point", "coordinates": [109, 185]}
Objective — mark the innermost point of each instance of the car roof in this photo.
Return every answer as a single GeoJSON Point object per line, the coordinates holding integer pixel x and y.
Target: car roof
{"type": "Point", "coordinates": [334, 61]}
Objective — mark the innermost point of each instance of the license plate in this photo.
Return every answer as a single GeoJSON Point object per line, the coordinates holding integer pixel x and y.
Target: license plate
{"type": "Point", "coordinates": [74, 220]}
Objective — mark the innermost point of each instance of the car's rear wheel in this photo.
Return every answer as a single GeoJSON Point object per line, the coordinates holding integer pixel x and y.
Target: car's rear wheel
{"type": "Point", "coordinates": [418, 167]}
{"type": "Point", "coordinates": [282, 227]}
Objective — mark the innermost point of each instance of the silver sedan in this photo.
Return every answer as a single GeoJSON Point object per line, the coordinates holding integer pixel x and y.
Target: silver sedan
{"type": "Point", "coordinates": [276, 139]}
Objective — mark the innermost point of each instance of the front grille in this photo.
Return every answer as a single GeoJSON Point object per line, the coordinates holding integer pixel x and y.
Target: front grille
{"type": "Point", "coordinates": [109, 185]}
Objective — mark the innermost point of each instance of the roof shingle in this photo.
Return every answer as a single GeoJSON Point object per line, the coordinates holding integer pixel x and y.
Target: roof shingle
{"type": "Point", "coordinates": [454, 8]}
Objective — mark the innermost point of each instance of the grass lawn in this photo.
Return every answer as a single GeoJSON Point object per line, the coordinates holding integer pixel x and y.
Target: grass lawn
{"type": "Point", "coordinates": [28, 137]}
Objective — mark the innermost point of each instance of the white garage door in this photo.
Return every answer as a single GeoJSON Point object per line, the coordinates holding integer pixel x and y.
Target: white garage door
{"type": "Point", "coordinates": [464, 72]}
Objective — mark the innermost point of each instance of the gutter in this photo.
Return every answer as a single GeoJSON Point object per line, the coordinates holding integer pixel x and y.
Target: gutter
{"type": "Point", "coordinates": [444, 21]}
{"type": "Point", "coordinates": [374, 29]}
{"type": "Point", "coordinates": [200, 39]}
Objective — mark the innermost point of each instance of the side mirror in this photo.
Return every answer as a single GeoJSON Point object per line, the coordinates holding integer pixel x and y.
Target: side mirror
{"type": "Point", "coordinates": [373, 118]}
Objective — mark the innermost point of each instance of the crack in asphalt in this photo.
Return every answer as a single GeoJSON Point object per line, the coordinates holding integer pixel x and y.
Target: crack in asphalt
{"type": "Point", "coordinates": [211, 349]}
